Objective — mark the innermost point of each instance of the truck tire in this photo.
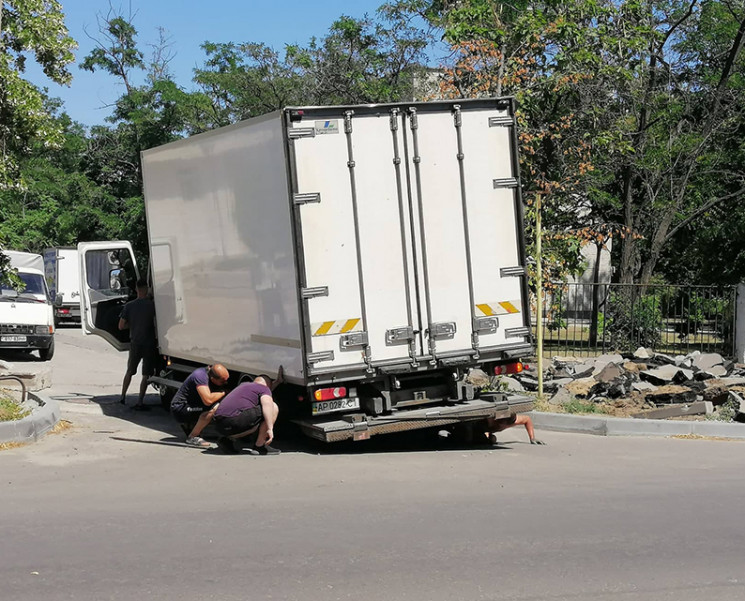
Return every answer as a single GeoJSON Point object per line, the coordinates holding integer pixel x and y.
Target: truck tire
{"type": "Point", "coordinates": [45, 354]}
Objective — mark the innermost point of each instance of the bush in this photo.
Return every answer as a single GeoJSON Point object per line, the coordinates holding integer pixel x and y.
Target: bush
{"type": "Point", "coordinates": [631, 320]}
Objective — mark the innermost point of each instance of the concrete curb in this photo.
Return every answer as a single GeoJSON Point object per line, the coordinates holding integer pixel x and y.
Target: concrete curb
{"type": "Point", "coordinates": [43, 418]}
{"type": "Point", "coordinates": [621, 426]}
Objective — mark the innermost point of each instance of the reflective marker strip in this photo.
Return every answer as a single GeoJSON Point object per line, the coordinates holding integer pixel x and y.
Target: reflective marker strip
{"type": "Point", "coordinates": [341, 326]}
{"type": "Point", "coordinates": [501, 308]}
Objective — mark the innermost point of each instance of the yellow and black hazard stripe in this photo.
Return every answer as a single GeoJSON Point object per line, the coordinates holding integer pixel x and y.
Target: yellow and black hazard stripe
{"type": "Point", "coordinates": [339, 326]}
{"type": "Point", "coordinates": [499, 308]}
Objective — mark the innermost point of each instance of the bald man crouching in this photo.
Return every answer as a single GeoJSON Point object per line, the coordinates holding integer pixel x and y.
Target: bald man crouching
{"type": "Point", "coordinates": [195, 403]}
{"type": "Point", "coordinates": [248, 408]}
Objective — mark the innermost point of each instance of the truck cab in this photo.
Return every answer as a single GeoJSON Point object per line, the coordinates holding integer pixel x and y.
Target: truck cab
{"type": "Point", "coordinates": [26, 314]}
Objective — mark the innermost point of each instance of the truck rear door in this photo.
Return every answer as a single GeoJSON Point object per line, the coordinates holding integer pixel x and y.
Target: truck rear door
{"type": "Point", "coordinates": [108, 278]}
{"type": "Point", "coordinates": [409, 222]}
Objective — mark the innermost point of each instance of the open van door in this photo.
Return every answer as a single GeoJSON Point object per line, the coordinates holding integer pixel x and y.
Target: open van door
{"type": "Point", "coordinates": [108, 280]}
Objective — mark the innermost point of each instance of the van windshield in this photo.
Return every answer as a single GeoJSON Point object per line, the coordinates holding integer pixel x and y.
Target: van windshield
{"type": "Point", "coordinates": [34, 285]}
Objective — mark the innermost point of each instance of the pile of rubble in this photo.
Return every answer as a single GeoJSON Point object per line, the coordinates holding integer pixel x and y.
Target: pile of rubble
{"type": "Point", "coordinates": [645, 384]}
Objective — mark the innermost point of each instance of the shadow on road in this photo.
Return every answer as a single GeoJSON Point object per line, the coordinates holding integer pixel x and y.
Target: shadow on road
{"type": "Point", "coordinates": [289, 438]}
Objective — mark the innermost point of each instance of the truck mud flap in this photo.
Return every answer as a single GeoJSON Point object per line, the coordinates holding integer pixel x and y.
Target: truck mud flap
{"type": "Point", "coordinates": [360, 427]}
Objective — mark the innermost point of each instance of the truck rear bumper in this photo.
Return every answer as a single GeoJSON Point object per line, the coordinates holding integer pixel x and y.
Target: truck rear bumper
{"type": "Point", "coordinates": [330, 429]}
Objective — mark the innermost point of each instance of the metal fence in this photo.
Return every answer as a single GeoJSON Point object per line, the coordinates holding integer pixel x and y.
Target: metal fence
{"type": "Point", "coordinates": [590, 319]}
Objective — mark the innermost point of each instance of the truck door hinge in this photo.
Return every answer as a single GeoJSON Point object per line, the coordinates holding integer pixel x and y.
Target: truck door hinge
{"type": "Point", "coordinates": [445, 329]}
{"type": "Point", "coordinates": [348, 122]}
{"type": "Point", "coordinates": [485, 325]}
{"type": "Point", "coordinates": [353, 339]}
{"type": "Point", "coordinates": [501, 121]}
{"type": "Point", "coordinates": [507, 272]}
{"type": "Point", "coordinates": [394, 119]}
{"type": "Point", "coordinates": [395, 335]}
{"type": "Point", "coordinates": [413, 118]}
{"type": "Point", "coordinates": [457, 118]}
{"type": "Point", "coordinates": [505, 182]}
{"type": "Point", "coordinates": [320, 356]}
{"type": "Point", "coordinates": [307, 293]}
{"type": "Point", "coordinates": [305, 198]}
{"type": "Point", "coordinates": [295, 133]}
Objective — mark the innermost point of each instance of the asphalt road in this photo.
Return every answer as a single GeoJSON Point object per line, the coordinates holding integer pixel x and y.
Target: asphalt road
{"type": "Point", "coordinates": [116, 508]}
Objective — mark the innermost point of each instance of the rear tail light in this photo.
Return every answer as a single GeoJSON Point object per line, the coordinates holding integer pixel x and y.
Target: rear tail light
{"type": "Point", "coordinates": [326, 394]}
{"type": "Point", "coordinates": [63, 311]}
{"type": "Point", "coordinates": [509, 368]}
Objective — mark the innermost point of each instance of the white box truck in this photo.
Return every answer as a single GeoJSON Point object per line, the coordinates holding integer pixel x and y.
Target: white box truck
{"type": "Point", "coordinates": [376, 252]}
{"type": "Point", "coordinates": [26, 316]}
{"type": "Point", "coordinates": [62, 272]}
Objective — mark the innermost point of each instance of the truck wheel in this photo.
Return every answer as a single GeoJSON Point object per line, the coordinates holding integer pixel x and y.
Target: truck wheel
{"type": "Point", "coordinates": [45, 354]}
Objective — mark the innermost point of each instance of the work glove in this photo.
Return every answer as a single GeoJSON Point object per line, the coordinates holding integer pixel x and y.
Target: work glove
{"type": "Point", "coordinates": [536, 441]}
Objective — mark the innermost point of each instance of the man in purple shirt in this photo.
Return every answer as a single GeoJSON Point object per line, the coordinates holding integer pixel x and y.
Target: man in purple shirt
{"type": "Point", "coordinates": [243, 410]}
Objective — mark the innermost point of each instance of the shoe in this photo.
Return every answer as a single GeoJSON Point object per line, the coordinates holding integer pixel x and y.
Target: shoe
{"type": "Point", "coordinates": [140, 407]}
{"type": "Point", "coordinates": [227, 446]}
{"type": "Point", "coordinates": [198, 442]}
{"type": "Point", "coordinates": [266, 450]}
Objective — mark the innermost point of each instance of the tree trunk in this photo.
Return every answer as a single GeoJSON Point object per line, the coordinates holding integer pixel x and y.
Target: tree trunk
{"type": "Point", "coordinates": [628, 246]}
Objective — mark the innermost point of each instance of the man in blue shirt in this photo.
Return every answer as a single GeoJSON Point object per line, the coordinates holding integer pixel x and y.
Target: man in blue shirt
{"type": "Point", "coordinates": [195, 403]}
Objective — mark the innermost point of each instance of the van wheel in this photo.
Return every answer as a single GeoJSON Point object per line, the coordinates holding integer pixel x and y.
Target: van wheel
{"type": "Point", "coordinates": [45, 354]}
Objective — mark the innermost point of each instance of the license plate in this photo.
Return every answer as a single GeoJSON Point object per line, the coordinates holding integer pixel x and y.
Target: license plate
{"type": "Point", "coordinates": [12, 339]}
{"type": "Point", "coordinates": [335, 405]}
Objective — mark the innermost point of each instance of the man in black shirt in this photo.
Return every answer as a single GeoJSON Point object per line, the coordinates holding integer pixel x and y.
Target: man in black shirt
{"type": "Point", "coordinates": [138, 316]}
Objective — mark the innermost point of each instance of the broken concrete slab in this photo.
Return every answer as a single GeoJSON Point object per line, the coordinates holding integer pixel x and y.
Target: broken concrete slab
{"type": "Point", "coordinates": [706, 361]}
{"type": "Point", "coordinates": [36, 380]}
{"type": "Point", "coordinates": [683, 361]}
{"type": "Point", "coordinates": [609, 373]}
{"type": "Point", "coordinates": [663, 359]}
{"type": "Point", "coordinates": [603, 360]}
{"type": "Point", "coordinates": [672, 394]}
{"type": "Point", "coordinates": [642, 353]}
{"type": "Point", "coordinates": [581, 387]}
{"type": "Point", "coordinates": [717, 371]}
{"type": "Point", "coordinates": [562, 396]}
{"type": "Point", "coordinates": [697, 408]}
{"type": "Point", "coordinates": [717, 395]}
{"type": "Point", "coordinates": [643, 386]}
{"type": "Point", "coordinates": [634, 368]}
{"type": "Point", "coordinates": [665, 374]}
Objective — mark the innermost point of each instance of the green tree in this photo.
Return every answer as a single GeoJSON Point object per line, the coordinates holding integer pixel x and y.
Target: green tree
{"type": "Point", "coordinates": [35, 27]}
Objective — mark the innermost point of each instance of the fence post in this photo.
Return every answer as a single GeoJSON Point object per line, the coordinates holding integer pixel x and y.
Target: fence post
{"type": "Point", "coordinates": [740, 324]}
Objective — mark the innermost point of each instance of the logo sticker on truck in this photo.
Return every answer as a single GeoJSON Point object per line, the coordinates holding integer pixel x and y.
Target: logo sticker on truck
{"type": "Point", "coordinates": [327, 127]}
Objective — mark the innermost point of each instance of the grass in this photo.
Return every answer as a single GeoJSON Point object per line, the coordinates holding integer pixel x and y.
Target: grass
{"type": "Point", "coordinates": [9, 409]}
{"type": "Point", "coordinates": [580, 406]}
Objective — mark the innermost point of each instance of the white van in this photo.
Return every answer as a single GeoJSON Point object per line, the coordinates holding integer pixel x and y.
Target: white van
{"type": "Point", "coordinates": [27, 317]}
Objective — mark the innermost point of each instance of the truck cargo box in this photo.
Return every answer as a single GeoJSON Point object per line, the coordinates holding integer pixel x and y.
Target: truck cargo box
{"type": "Point", "coordinates": [371, 245]}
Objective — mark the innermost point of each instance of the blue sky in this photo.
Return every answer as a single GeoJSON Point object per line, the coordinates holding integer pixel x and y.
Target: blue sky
{"type": "Point", "coordinates": [189, 23]}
